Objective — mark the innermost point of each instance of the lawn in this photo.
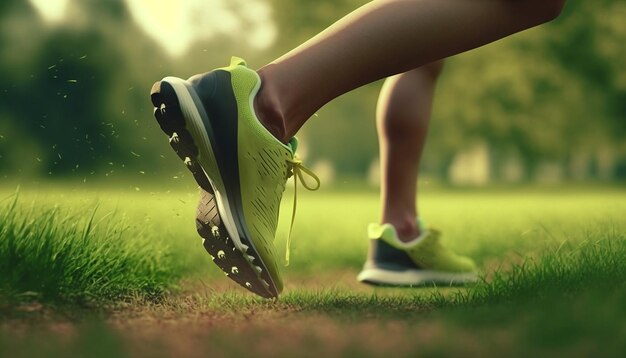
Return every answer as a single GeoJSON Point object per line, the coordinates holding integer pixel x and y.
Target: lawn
{"type": "Point", "coordinates": [122, 272]}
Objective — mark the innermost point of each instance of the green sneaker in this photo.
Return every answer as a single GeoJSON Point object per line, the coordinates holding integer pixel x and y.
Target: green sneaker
{"type": "Point", "coordinates": [241, 166]}
{"type": "Point", "coordinates": [422, 261]}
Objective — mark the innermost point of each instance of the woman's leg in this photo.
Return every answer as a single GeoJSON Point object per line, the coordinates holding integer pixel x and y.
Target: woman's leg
{"type": "Point", "coordinates": [380, 39]}
{"type": "Point", "coordinates": [399, 254]}
{"type": "Point", "coordinates": [403, 113]}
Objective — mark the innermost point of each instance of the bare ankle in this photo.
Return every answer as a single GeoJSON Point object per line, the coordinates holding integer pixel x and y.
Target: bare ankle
{"type": "Point", "coordinates": [267, 108]}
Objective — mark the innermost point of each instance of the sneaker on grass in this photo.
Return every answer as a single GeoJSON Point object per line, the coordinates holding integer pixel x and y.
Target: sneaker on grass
{"type": "Point", "coordinates": [423, 261]}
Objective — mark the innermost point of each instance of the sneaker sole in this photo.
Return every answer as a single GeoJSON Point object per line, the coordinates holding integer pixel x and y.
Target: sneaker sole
{"type": "Point", "coordinates": [414, 278]}
{"type": "Point", "coordinates": [178, 117]}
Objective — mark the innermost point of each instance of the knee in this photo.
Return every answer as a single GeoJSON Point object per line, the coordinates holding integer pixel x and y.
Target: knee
{"type": "Point", "coordinates": [552, 9]}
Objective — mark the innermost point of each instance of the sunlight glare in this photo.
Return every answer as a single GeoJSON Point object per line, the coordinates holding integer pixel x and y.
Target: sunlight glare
{"type": "Point", "coordinates": [176, 25]}
{"type": "Point", "coordinates": [51, 10]}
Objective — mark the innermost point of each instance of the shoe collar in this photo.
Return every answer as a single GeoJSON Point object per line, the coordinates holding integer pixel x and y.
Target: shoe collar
{"type": "Point", "coordinates": [292, 146]}
{"type": "Point", "coordinates": [388, 233]}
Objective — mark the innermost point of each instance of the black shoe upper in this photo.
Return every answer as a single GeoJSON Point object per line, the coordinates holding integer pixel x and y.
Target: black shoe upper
{"type": "Point", "coordinates": [384, 256]}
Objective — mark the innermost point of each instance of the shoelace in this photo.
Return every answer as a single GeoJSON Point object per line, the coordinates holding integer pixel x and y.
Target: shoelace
{"type": "Point", "coordinates": [298, 170]}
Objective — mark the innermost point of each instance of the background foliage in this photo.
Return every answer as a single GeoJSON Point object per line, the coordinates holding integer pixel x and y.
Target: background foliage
{"type": "Point", "coordinates": [73, 95]}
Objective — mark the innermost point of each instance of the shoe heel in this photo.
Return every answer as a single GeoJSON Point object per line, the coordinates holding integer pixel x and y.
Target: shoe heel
{"type": "Point", "coordinates": [171, 120]}
{"type": "Point", "coordinates": [166, 108]}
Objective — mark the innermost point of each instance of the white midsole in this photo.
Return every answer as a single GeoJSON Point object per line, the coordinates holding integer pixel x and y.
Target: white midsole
{"type": "Point", "coordinates": [206, 157]}
{"type": "Point", "coordinates": [414, 277]}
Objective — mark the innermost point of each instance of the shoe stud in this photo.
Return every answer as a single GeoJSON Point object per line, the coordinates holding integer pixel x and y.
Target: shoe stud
{"type": "Point", "coordinates": [265, 284]}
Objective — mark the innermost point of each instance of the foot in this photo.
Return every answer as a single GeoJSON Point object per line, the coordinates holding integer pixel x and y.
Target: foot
{"type": "Point", "coordinates": [240, 166]}
{"type": "Point", "coordinates": [422, 261]}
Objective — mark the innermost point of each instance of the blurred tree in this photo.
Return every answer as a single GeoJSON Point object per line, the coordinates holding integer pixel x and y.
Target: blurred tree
{"type": "Point", "coordinates": [591, 48]}
{"type": "Point", "coordinates": [71, 90]}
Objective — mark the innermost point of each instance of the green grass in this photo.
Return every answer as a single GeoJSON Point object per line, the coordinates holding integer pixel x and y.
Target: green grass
{"type": "Point", "coordinates": [58, 255]}
{"type": "Point", "coordinates": [553, 261]}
